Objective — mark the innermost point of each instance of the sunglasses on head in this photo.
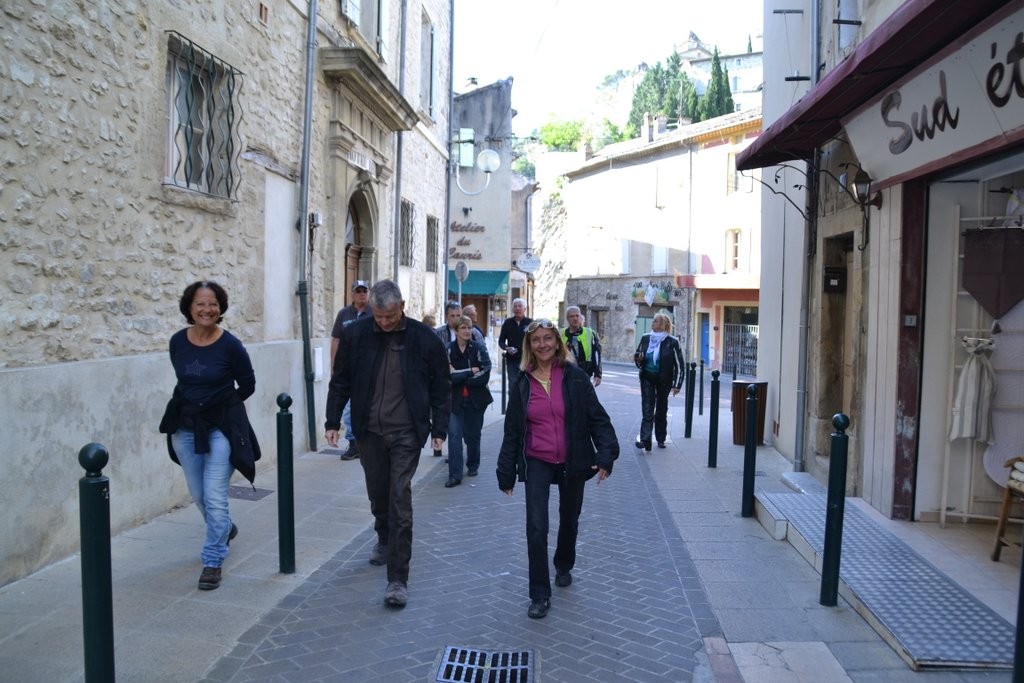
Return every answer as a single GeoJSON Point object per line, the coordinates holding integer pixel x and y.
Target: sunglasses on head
{"type": "Point", "coordinates": [543, 322]}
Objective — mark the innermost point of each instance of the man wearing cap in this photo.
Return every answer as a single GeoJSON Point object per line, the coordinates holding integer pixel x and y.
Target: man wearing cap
{"type": "Point", "coordinates": [346, 316]}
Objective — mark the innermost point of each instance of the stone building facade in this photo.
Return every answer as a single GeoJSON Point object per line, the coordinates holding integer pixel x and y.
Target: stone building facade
{"type": "Point", "coordinates": [148, 145]}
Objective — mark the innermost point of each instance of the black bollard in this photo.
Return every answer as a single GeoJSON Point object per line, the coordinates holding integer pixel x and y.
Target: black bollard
{"type": "Point", "coordinates": [700, 392]}
{"type": "Point", "coordinates": [734, 366]}
{"type": "Point", "coordinates": [690, 380]}
{"type": "Point", "coordinates": [285, 487]}
{"type": "Point", "coordinates": [834, 511]}
{"type": "Point", "coordinates": [749, 453]}
{"type": "Point", "coordinates": [713, 420]}
{"type": "Point", "coordinates": [97, 592]}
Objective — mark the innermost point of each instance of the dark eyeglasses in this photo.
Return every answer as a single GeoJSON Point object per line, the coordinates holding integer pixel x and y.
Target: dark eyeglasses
{"type": "Point", "coordinates": [543, 322]}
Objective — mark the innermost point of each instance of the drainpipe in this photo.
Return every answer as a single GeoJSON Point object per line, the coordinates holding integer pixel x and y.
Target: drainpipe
{"type": "Point", "coordinates": [303, 284]}
{"type": "Point", "coordinates": [449, 171]}
{"type": "Point", "coordinates": [396, 246]}
{"type": "Point", "coordinates": [810, 246]}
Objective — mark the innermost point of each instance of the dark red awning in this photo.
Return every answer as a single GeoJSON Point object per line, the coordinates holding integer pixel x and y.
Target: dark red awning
{"type": "Point", "coordinates": [912, 34]}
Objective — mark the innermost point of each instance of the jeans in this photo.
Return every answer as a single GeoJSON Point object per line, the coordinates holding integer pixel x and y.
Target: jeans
{"type": "Point", "coordinates": [540, 476]}
{"type": "Point", "coordinates": [513, 371]}
{"type": "Point", "coordinates": [346, 419]}
{"type": "Point", "coordinates": [389, 463]}
{"type": "Point", "coordinates": [464, 424]}
{"type": "Point", "coordinates": [208, 476]}
{"type": "Point", "coordinates": [653, 408]}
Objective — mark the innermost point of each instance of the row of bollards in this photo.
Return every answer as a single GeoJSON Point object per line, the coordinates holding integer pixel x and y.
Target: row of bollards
{"type": "Point", "coordinates": [94, 526]}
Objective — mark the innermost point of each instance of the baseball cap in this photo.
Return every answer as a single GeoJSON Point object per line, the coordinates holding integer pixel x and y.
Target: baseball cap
{"type": "Point", "coordinates": [360, 283]}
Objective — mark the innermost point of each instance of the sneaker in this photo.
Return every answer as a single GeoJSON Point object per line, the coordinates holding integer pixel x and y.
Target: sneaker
{"type": "Point", "coordinates": [232, 533]}
{"type": "Point", "coordinates": [352, 453]}
{"type": "Point", "coordinates": [396, 594]}
{"type": "Point", "coordinates": [539, 609]}
{"type": "Point", "coordinates": [210, 578]}
{"type": "Point", "coordinates": [563, 579]}
{"type": "Point", "coordinates": [379, 555]}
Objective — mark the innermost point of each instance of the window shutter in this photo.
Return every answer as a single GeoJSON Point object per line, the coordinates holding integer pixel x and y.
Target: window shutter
{"type": "Point", "coordinates": [435, 75]}
{"type": "Point", "coordinates": [352, 10]}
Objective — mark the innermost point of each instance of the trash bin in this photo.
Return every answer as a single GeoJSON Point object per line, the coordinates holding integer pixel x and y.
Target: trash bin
{"type": "Point", "coordinates": [739, 410]}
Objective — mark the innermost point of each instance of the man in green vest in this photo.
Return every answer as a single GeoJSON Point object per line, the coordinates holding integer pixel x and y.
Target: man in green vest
{"type": "Point", "coordinates": [584, 343]}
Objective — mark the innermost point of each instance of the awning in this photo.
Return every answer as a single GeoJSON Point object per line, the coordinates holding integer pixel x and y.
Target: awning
{"type": "Point", "coordinates": [916, 31]}
{"type": "Point", "coordinates": [481, 283]}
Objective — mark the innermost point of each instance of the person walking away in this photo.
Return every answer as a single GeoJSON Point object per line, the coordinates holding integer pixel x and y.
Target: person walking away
{"type": "Point", "coordinates": [394, 371]}
{"type": "Point", "coordinates": [346, 316]}
{"type": "Point", "coordinates": [660, 361]}
{"type": "Point", "coordinates": [584, 344]}
{"type": "Point", "coordinates": [471, 371]}
{"type": "Point", "coordinates": [510, 339]}
{"type": "Point", "coordinates": [208, 431]}
{"type": "Point", "coordinates": [556, 434]}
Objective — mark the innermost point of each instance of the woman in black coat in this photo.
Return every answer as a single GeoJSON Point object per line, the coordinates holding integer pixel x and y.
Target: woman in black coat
{"type": "Point", "coordinates": [556, 434]}
{"type": "Point", "coordinates": [471, 372]}
{"type": "Point", "coordinates": [662, 369]}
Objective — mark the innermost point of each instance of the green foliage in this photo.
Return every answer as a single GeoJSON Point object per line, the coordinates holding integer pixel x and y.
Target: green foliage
{"type": "Point", "coordinates": [717, 99]}
{"type": "Point", "coordinates": [607, 134]}
{"type": "Point", "coordinates": [563, 136]}
{"type": "Point", "coordinates": [613, 80]}
{"type": "Point", "coordinates": [523, 166]}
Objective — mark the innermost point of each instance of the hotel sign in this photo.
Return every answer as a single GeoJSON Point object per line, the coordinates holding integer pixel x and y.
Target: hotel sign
{"type": "Point", "coordinates": [963, 102]}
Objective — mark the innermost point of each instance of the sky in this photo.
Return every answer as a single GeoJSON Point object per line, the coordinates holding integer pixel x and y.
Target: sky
{"type": "Point", "coordinates": [558, 51]}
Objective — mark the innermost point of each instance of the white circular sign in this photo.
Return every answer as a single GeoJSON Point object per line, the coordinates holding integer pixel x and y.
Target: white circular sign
{"type": "Point", "coordinates": [528, 262]}
{"type": "Point", "coordinates": [461, 271]}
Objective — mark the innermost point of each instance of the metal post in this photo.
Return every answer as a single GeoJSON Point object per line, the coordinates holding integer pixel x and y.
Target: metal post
{"type": "Point", "coordinates": [749, 453]}
{"type": "Point", "coordinates": [700, 392]}
{"type": "Point", "coordinates": [690, 379]}
{"type": "Point", "coordinates": [713, 420]}
{"type": "Point", "coordinates": [285, 487]}
{"type": "Point", "coordinates": [734, 366]}
{"type": "Point", "coordinates": [97, 591]}
{"type": "Point", "coordinates": [834, 511]}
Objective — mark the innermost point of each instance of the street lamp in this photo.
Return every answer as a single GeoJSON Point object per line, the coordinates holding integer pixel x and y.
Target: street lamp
{"type": "Point", "coordinates": [487, 161]}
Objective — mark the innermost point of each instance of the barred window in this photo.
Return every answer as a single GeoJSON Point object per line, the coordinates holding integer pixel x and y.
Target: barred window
{"type": "Point", "coordinates": [203, 120]}
{"type": "Point", "coordinates": [405, 247]}
{"type": "Point", "coordinates": [432, 243]}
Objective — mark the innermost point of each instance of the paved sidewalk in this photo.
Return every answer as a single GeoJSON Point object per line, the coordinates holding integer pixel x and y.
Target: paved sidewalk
{"type": "Point", "coordinates": [671, 584]}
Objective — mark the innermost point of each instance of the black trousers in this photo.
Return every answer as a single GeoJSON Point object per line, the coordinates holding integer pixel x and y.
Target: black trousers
{"type": "Point", "coordinates": [653, 407]}
{"type": "Point", "coordinates": [389, 463]}
{"type": "Point", "coordinates": [540, 477]}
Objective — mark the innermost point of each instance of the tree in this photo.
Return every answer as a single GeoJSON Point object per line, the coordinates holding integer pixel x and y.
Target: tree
{"type": "Point", "coordinates": [717, 99]}
{"type": "Point", "coordinates": [649, 97]}
{"type": "Point", "coordinates": [562, 136]}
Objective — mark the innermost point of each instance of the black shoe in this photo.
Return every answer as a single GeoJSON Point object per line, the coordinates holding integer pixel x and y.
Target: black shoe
{"type": "Point", "coordinates": [563, 579]}
{"type": "Point", "coordinates": [539, 609]}
{"type": "Point", "coordinates": [352, 453]}
{"type": "Point", "coordinates": [452, 481]}
{"type": "Point", "coordinates": [209, 579]}
{"type": "Point", "coordinates": [472, 473]}
{"type": "Point", "coordinates": [645, 445]}
{"type": "Point", "coordinates": [661, 444]}
{"type": "Point", "coordinates": [232, 533]}
{"type": "Point", "coordinates": [437, 452]}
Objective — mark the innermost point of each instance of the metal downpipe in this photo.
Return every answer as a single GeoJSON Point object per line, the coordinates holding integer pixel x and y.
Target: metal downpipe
{"type": "Point", "coordinates": [303, 286]}
{"type": "Point", "coordinates": [397, 241]}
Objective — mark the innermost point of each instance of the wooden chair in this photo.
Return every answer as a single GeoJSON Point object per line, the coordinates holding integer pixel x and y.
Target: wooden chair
{"type": "Point", "coordinates": [1013, 487]}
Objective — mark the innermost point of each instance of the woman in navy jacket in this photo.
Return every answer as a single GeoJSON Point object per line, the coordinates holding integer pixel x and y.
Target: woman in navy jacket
{"type": "Point", "coordinates": [556, 434]}
{"type": "Point", "coordinates": [660, 361]}
{"type": "Point", "coordinates": [471, 372]}
{"type": "Point", "coordinates": [208, 431]}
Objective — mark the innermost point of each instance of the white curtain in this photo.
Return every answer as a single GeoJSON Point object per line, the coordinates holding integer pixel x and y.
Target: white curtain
{"type": "Point", "coordinates": [972, 406]}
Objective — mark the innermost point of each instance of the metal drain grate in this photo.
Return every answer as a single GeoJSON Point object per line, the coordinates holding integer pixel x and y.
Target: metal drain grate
{"type": "Point", "coordinates": [247, 493]}
{"type": "Point", "coordinates": [468, 665]}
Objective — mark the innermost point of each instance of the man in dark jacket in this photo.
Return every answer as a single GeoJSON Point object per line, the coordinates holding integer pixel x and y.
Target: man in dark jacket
{"type": "Point", "coordinates": [510, 340]}
{"type": "Point", "coordinates": [395, 371]}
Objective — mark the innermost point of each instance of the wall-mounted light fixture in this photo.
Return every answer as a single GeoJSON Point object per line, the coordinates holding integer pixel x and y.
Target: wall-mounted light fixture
{"type": "Point", "coordinates": [862, 195]}
{"type": "Point", "coordinates": [487, 161]}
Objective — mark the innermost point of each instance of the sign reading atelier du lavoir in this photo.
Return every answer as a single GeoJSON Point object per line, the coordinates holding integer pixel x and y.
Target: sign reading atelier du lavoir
{"type": "Point", "coordinates": [965, 101]}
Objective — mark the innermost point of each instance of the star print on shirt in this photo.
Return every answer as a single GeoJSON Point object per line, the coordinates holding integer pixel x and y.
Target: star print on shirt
{"type": "Point", "coordinates": [194, 368]}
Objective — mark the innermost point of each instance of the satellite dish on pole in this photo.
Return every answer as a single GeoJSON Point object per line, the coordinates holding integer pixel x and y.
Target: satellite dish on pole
{"type": "Point", "coordinates": [528, 262]}
{"type": "Point", "coordinates": [461, 273]}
